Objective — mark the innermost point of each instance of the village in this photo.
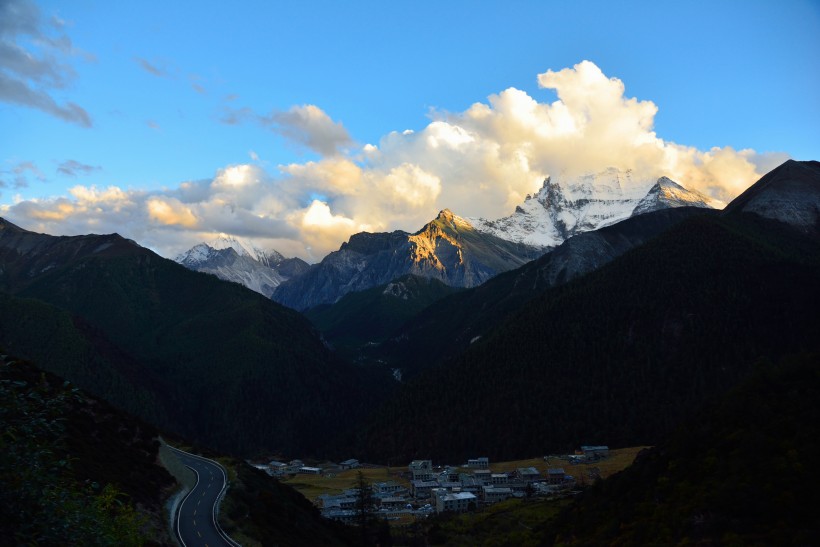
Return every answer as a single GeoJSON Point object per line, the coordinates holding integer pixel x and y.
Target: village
{"type": "Point", "coordinates": [422, 489]}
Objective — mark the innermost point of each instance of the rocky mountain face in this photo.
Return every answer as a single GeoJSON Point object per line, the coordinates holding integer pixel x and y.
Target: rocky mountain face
{"type": "Point", "coordinates": [666, 194]}
{"type": "Point", "coordinates": [234, 260]}
{"type": "Point", "coordinates": [790, 193]}
{"type": "Point", "coordinates": [563, 208]}
{"type": "Point", "coordinates": [448, 249]}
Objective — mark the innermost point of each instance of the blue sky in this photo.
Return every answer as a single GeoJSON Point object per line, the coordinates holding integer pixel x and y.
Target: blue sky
{"type": "Point", "coordinates": [169, 92]}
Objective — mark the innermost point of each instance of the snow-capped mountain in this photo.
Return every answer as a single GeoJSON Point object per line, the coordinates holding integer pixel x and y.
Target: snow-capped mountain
{"type": "Point", "coordinates": [665, 194]}
{"type": "Point", "coordinates": [233, 259]}
{"type": "Point", "coordinates": [448, 249]}
{"type": "Point", "coordinates": [565, 207]}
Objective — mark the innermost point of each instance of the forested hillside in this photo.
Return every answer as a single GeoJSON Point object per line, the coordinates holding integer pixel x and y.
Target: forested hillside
{"type": "Point", "coordinates": [743, 472]}
{"type": "Point", "coordinates": [448, 326]}
{"type": "Point", "coordinates": [73, 471]}
{"type": "Point", "coordinates": [360, 320]}
{"type": "Point", "coordinates": [621, 355]}
{"type": "Point", "coordinates": [207, 359]}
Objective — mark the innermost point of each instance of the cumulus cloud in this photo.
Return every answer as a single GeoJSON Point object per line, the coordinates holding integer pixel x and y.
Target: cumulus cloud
{"type": "Point", "coordinates": [306, 125]}
{"type": "Point", "coordinates": [310, 126]}
{"type": "Point", "coordinates": [479, 162]}
{"type": "Point", "coordinates": [34, 61]}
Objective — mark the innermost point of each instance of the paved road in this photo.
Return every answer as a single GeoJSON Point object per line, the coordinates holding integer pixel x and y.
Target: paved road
{"type": "Point", "coordinates": [196, 523]}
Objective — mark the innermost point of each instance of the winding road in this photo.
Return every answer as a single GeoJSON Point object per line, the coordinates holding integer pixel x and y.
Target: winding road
{"type": "Point", "coordinates": [196, 523]}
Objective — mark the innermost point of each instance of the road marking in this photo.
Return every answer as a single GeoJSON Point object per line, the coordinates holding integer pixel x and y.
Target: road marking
{"type": "Point", "coordinates": [195, 511]}
{"type": "Point", "coordinates": [197, 533]}
{"type": "Point", "coordinates": [194, 522]}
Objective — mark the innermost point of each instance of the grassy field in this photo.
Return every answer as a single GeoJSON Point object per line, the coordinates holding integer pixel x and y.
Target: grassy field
{"type": "Point", "coordinates": [311, 486]}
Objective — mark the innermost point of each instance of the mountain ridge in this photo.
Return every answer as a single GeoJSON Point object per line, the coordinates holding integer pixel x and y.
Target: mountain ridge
{"type": "Point", "coordinates": [446, 248]}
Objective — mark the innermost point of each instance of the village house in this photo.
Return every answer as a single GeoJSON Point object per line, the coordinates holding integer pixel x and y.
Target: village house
{"type": "Point", "coordinates": [342, 501]}
{"type": "Point", "coordinates": [341, 515]}
{"type": "Point", "coordinates": [483, 475]}
{"type": "Point", "coordinates": [349, 464]}
{"type": "Point", "coordinates": [595, 452]}
{"type": "Point", "coordinates": [479, 463]}
{"type": "Point", "coordinates": [492, 494]}
{"type": "Point", "coordinates": [422, 489]}
{"type": "Point", "coordinates": [389, 489]}
{"type": "Point", "coordinates": [555, 475]}
{"type": "Point", "coordinates": [277, 469]}
{"type": "Point", "coordinates": [458, 502]}
{"type": "Point", "coordinates": [304, 470]}
{"type": "Point", "coordinates": [528, 474]}
{"type": "Point", "coordinates": [499, 478]}
{"type": "Point", "coordinates": [393, 503]}
{"type": "Point", "coordinates": [421, 470]}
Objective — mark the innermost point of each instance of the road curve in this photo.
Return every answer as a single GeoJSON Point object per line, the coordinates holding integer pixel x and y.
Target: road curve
{"type": "Point", "coordinates": [196, 523]}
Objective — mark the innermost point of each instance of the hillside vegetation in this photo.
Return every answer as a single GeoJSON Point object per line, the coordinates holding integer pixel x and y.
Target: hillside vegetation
{"type": "Point", "coordinates": [621, 355]}
{"type": "Point", "coordinates": [190, 353]}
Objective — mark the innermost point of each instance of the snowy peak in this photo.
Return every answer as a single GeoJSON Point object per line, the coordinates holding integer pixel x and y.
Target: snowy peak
{"type": "Point", "coordinates": [565, 207]}
{"type": "Point", "coordinates": [562, 208]}
{"type": "Point", "coordinates": [245, 248]}
{"type": "Point", "coordinates": [667, 193]}
{"type": "Point", "coordinates": [234, 259]}
{"type": "Point", "coordinates": [195, 255]}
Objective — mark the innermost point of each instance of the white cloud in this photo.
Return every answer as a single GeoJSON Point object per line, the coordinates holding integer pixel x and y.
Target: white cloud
{"type": "Point", "coordinates": [479, 162]}
{"type": "Point", "coordinates": [310, 126]}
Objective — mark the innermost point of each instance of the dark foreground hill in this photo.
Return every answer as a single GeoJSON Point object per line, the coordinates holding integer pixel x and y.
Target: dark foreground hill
{"type": "Point", "coordinates": [621, 355]}
{"type": "Point", "coordinates": [743, 472]}
{"type": "Point", "coordinates": [76, 471]}
{"type": "Point", "coordinates": [204, 358]}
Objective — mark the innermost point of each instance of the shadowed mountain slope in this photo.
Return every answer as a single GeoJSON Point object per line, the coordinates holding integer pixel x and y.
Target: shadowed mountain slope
{"type": "Point", "coordinates": [448, 249]}
{"type": "Point", "coordinates": [619, 356]}
{"type": "Point", "coordinates": [448, 326]}
{"type": "Point", "coordinates": [209, 360]}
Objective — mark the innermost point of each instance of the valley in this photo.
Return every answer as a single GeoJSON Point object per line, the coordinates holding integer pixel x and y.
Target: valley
{"type": "Point", "coordinates": [662, 323]}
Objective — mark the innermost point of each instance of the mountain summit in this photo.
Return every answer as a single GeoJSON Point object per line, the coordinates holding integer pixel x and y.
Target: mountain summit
{"type": "Point", "coordinates": [665, 194]}
{"type": "Point", "coordinates": [447, 248]}
{"type": "Point", "coordinates": [563, 208]}
{"type": "Point", "coordinates": [234, 259]}
{"type": "Point", "coordinates": [789, 193]}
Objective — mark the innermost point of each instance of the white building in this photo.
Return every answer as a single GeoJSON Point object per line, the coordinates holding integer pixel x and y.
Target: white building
{"type": "Point", "coordinates": [479, 463]}
{"type": "Point", "coordinates": [459, 502]}
{"type": "Point", "coordinates": [494, 495]}
{"type": "Point", "coordinates": [422, 470]}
